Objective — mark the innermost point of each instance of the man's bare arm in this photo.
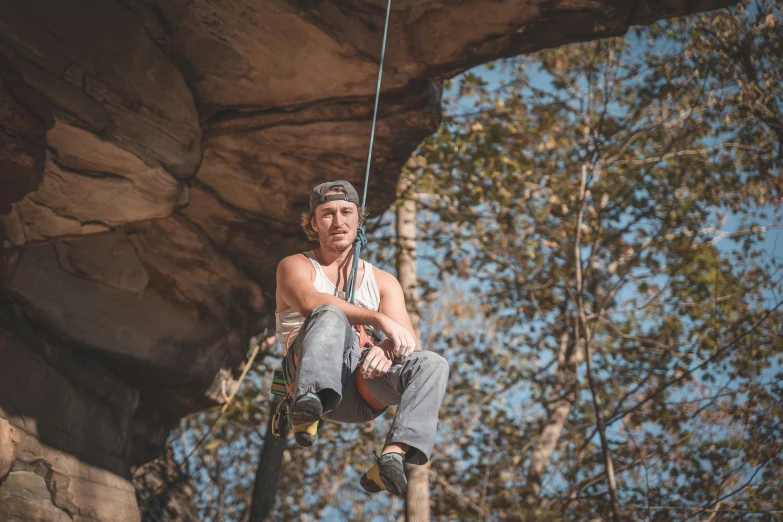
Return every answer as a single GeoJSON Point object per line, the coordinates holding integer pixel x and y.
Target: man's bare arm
{"type": "Point", "coordinates": [393, 305]}
{"type": "Point", "coordinates": [380, 358]}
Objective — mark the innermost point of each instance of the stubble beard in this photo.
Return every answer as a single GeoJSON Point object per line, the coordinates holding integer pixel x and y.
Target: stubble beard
{"type": "Point", "coordinates": [338, 247]}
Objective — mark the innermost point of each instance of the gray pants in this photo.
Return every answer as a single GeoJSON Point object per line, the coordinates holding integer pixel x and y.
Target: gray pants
{"type": "Point", "coordinates": [323, 359]}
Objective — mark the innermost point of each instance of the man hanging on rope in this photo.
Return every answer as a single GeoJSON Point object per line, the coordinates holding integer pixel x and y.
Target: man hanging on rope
{"type": "Point", "coordinates": [336, 368]}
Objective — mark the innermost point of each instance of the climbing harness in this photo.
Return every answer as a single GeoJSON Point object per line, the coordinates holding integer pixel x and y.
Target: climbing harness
{"type": "Point", "coordinates": [280, 385]}
{"type": "Point", "coordinates": [284, 387]}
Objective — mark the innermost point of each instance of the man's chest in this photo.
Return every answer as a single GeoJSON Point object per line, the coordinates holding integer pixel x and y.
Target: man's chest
{"type": "Point", "coordinates": [338, 276]}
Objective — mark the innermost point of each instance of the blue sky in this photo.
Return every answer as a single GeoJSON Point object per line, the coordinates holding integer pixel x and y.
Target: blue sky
{"type": "Point", "coordinates": [496, 76]}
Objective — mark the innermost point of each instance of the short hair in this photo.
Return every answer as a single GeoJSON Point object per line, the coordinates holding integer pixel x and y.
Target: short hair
{"type": "Point", "coordinates": [307, 217]}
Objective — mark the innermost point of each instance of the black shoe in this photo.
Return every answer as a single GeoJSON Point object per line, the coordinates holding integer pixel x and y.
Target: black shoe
{"type": "Point", "coordinates": [388, 473]}
{"type": "Point", "coordinates": [304, 416]}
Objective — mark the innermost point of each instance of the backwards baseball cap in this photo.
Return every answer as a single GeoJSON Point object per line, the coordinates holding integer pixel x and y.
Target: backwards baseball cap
{"type": "Point", "coordinates": [319, 197]}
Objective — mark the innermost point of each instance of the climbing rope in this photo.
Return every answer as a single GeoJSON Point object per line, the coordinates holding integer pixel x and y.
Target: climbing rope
{"type": "Point", "coordinates": [255, 343]}
{"type": "Point", "coordinates": [361, 238]}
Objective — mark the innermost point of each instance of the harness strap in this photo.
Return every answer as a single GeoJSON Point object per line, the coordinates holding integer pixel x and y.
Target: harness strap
{"type": "Point", "coordinates": [288, 337]}
{"type": "Point", "coordinates": [290, 386]}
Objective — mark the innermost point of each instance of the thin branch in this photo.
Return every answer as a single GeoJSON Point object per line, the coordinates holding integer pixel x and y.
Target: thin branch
{"type": "Point", "coordinates": [587, 337]}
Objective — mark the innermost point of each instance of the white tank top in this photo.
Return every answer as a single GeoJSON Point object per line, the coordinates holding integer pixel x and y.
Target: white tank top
{"type": "Point", "coordinates": [367, 296]}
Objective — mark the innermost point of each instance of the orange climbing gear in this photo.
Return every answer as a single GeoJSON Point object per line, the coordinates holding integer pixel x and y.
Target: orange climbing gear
{"type": "Point", "coordinates": [361, 384]}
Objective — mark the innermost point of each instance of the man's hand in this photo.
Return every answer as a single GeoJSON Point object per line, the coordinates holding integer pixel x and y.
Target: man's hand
{"type": "Point", "coordinates": [402, 340]}
{"type": "Point", "coordinates": [377, 362]}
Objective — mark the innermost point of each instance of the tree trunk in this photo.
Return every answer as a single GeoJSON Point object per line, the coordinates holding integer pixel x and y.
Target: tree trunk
{"type": "Point", "coordinates": [406, 261]}
{"type": "Point", "coordinates": [417, 498]}
{"type": "Point", "coordinates": [571, 355]}
{"type": "Point", "coordinates": [268, 472]}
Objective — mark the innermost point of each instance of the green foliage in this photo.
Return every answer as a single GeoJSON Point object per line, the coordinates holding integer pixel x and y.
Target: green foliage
{"type": "Point", "coordinates": [670, 131]}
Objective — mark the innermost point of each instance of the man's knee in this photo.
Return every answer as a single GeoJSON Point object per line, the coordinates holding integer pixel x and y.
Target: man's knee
{"type": "Point", "coordinates": [436, 363]}
{"type": "Point", "coordinates": [328, 312]}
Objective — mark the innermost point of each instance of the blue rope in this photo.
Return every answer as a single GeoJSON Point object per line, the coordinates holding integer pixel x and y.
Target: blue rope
{"type": "Point", "coordinates": [361, 238]}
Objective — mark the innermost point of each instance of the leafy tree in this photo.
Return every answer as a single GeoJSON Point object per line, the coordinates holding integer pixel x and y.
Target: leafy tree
{"type": "Point", "coordinates": [587, 216]}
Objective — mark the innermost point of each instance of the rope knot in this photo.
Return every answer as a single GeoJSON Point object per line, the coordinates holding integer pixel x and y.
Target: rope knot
{"type": "Point", "coordinates": [361, 238]}
{"type": "Point", "coordinates": [358, 243]}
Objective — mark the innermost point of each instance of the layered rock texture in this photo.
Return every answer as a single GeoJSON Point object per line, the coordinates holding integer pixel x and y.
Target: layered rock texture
{"type": "Point", "coordinates": [154, 158]}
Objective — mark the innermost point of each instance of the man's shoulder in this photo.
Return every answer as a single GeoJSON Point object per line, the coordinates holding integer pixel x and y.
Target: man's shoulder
{"type": "Point", "coordinates": [384, 278]}
{"type": "Point", "coordinates": [293, 261]}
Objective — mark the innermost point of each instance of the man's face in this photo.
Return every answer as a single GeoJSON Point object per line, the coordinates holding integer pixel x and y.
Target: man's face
{"type": "Point", "coordinates": [336, 223]}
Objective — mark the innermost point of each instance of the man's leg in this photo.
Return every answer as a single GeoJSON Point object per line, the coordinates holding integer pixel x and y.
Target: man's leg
{"type": "Point", "coordinates": [417, 384]}
{"type": "Point", "coordinates": [315, 363]}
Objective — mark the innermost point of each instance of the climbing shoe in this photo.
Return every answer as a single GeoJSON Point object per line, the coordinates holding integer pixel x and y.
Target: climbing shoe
{"type": "Point", "coordinates": [387, 474]}
{"type": "Point", "coordinates": [304, 416]}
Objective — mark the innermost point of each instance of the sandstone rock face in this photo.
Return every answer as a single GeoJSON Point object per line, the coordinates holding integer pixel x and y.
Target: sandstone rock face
{"type": "Point", "coordinates": [64, 438]}
{"type": "Point", "coordinates": [154, 158]}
